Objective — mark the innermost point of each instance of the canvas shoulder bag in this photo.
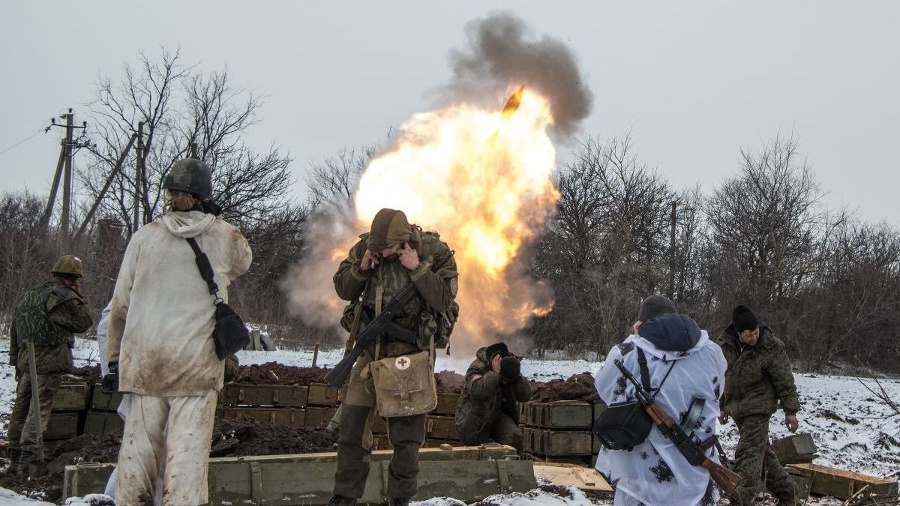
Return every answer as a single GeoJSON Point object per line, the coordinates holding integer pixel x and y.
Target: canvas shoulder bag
{"type": "Point", "coordinates": [230, 334]}
{"type": "Point", "coordinates": [624, 425]}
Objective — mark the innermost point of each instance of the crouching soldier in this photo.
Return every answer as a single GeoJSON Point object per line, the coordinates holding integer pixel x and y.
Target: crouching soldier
{"type": "Point", "coordinates": [488, 406]}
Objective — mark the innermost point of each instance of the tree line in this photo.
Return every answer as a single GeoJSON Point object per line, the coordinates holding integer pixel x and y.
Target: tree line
{"type": "Point", "coordinates": [826, 281]}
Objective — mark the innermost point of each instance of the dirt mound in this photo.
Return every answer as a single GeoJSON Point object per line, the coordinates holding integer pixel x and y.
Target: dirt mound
{"type": "Point", "coordinates": [273, 373]}
{"type": "Point", "coordinates": [579, 387]}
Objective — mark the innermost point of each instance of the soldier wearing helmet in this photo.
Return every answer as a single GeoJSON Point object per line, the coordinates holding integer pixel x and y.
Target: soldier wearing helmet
{"type": "Point", "coordinates": [159, 340]}
{"type": "Point", "coordinates": [47, 315]}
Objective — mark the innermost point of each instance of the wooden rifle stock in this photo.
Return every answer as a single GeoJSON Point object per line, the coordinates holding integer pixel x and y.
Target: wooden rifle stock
{"type": "Point", "coordinates": [725, 478]}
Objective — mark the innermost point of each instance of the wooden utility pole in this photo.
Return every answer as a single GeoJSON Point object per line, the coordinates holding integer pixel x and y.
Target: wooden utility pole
{"type": "Point", "coordinates": [67, 177]}
{"type": "Point", "coordinates": [64, 172]}
{"type": "Point", "coordinates": [109, 180]}
{"type": "Point", "coordinates": [138, 178]}
{"type": "Point", "coordinates": [672, 250]}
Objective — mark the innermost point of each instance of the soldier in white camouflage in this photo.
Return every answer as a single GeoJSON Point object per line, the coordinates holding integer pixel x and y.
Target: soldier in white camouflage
{"type": "Point", "coordinates": [757, 381]}
{"type": "Point", "coordinates": [47, 315]}
{"type": "Point", "coordinates": [394, 254]}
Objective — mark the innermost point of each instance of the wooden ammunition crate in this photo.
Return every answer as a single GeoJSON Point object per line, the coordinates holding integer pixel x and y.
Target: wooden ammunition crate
{"type": "Point", "coordinates": [546, 442]}
{"type": "Point", "coordinates": [557, 414]}
{"type": "Point", "coordinates": [287, 396]}
{"type": "Point", "coordinates": [795, 448]}
{"type": "Point", "coordinates": [318, 417]}
{"type": "Point", "coordinates": [104, 402]}
{"type": "Point", "coordinates": [441, 427]}
{"type": "Point", "coordinates": [63, 425]}
{"type": "Point", "coordinates": [321, 394]}
{"type": "Point", "coordinates": [282, 417]}
{"type": "Point", "coordinates": [802, 481]}
{"type": "Point", "coordinates": [446, 404]}
{"type": "Point", "coordinates": [71, 397]}
{"type": "Point", "coordinates": [843, 484]}
{"type": "Point", "coordinates": [467, 473]}
{"type": "Point", "coordinates": [103, 422]}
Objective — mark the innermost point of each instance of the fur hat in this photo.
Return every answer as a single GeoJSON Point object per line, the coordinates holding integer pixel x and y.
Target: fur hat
{"type": "Point", "coordinates": [494, 349]}
{"type": "Point", "coordinates": [743, 319]}
{"type": "Point", "coordinates": [655, 305]}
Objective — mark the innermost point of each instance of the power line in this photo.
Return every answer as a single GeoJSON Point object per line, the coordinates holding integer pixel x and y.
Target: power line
{"type": "Point", "coordinates": [22, 141]}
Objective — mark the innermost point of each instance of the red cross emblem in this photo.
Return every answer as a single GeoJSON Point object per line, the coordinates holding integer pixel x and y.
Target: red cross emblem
{"type": "Point", "coordinates": [401, 363]}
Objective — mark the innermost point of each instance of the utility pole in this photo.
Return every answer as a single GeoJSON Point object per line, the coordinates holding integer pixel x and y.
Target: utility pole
{"type": "Point", "coordinates": [138, 178]}
{"type": "Point", "coordinates": [672, 217]}
{"type": "Point", "coordinates": [64, 172]}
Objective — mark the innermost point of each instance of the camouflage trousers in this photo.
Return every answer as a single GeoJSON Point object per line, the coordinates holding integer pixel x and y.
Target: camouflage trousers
{"type": "Point", "coordinates": [757, 463]}
{"type": "Point", "coordinates": [21, 432]}
{"type": "Point", "coordinates": [405, 433]}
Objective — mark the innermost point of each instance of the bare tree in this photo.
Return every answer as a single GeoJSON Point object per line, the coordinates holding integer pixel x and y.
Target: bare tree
{"type": "Point", "coordinates": [763, 224]}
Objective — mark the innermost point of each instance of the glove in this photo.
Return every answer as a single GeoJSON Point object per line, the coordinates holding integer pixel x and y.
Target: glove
{"type": "Point", "coordinates": [510, 369]}
{"type": "Point", "coordinates": [110, 382]}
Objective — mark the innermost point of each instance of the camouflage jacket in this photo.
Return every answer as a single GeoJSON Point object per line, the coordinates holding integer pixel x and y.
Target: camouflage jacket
{"type": "Point", "coordinates": [48, 315]}
{"type": "Point", "coordinates": [435, 280]}
{"type": "Point", "coordinates": [484, 398]}
{"type": "Point", "coordinates": [758, 377]}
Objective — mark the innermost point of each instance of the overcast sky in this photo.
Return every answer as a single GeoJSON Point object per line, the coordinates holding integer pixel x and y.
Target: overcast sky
{"type": "Point", "coordinates": [694, 82]}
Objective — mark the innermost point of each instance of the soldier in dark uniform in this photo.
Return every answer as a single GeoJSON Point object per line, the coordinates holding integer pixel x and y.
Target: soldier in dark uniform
{"type": "Point", "coordinates": [758, 380]}
{"type": "Point", "coordinates": [47, 316]}
{"type": "Point", "coordinates": [382, 263]}
{"type": "Point", "coordinates": [488, 407]}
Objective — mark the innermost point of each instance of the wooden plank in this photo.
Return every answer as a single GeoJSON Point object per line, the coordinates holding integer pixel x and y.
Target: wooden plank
{"type": "Point", "coordinates": [844, 484]}
{"type": "Point", "coordinates": [281, 417]}
{"type": "Point", "coordinates": [795, 448]}
{"type": "Point", "coordinates": [571, 475]}
{"type": "Point", "coordinates": [104, 402]}
{"type": "Point", "coordinates": [441, 427]}
{"type": "Point", "coordinates": [63, 425]}
{"type": "Point", "coordinates": [103, 422]}
{"type": "Point", "coordinates": [577, 460]}
{"type": "Point", "coordinates": [293, 396]}
{"type": "Point", "coordinates": [446, 404]}
{"type": "Point", "coordinates": [321, 394]}
{"type": "Point", "coordinates": [556, 442]}
{"type": "Point", "coordinates": [559, 414]}
{"type": "Point", "coordinates": [71, 397]}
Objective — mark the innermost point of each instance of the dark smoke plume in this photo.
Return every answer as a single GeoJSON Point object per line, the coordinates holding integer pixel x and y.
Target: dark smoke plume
{"type": "Point", "coordinates": [501, 51]}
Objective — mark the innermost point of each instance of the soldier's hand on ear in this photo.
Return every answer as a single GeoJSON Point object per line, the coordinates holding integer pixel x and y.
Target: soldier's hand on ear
{"type": "Point", "coordinates": [409, 257]}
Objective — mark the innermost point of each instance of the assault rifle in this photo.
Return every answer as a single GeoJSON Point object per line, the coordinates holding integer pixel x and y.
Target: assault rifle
{"type": "Point", "coordinates": [725, 478]}
{"type": "Point", "coordinates": [366, 337]}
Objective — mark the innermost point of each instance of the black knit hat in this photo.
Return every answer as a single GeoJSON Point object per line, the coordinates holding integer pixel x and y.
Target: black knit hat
{"type": "Point", "coordinates": [655, 305]}
{"type": "Point", "coordinates": [495, 349]}
{"type": "Point", "coordinates": [743, 319]}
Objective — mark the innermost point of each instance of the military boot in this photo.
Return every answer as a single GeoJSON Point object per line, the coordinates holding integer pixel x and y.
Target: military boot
{"type": "Point", "coordinates": [339, 500]}
{"type": "Point", "coordinates": [399, 502]}
{"type": "Point", "coordinates": [33, 463]}
{"type": "Point", "coordinates": [15, 461]}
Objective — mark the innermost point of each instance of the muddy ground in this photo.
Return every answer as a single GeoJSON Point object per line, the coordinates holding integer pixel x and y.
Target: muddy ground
{"type": "Point", "coordinates": [236, 438]}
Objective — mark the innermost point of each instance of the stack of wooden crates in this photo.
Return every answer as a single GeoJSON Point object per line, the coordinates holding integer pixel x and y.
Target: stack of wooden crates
{"type": "Point", "coordinates": [79, 407]}
{"type": "Point", "coordinates": [560, 431]}
{"type": "Point", "coordinates": [292, 406]}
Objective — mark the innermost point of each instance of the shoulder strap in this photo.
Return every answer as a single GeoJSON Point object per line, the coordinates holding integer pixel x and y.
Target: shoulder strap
{"type": "Point", "coordinates": [205, 267]}
{"type": "Point", "coordinates": [645, 373]}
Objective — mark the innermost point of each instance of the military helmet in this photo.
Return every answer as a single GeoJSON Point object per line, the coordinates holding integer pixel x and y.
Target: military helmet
{"type": "Point", "coordinates": [190, 175]}
{"type": "Point", "coordinates": [68, 265]}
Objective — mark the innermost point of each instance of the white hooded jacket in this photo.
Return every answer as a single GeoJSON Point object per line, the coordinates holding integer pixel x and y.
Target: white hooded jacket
{"type": "Point", "coordinates": [162, 315]}
{"type": "Point", "coordinates": [655, 472]}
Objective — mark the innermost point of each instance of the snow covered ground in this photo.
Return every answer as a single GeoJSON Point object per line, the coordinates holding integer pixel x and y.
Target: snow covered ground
{"type": "Point", "coordinates": [852, 428]}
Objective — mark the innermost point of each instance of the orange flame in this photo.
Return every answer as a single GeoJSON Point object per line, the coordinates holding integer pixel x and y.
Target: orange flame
{"type": "Point", "coordinates": [488, 191]}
